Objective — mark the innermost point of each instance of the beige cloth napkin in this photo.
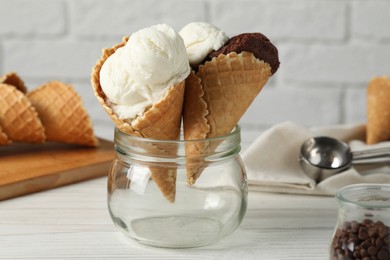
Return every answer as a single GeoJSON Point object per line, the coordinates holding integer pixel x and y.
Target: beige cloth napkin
{"type": "Point", "coordinates": [272, 160]}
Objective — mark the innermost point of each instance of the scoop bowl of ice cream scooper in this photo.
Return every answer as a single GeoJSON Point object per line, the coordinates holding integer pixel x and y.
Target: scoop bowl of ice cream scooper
{"type": "Point", "coordinates": [322, 157]}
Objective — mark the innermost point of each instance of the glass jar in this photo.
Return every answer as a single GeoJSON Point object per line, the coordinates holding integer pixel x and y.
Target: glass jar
{"type": "Point", "coordinates": [151, 199]}
{"type": "Point", "coordinates": [363, 225]}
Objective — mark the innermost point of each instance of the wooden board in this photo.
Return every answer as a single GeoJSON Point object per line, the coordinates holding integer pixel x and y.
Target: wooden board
{"type": "Point", "coordinates": [28, 168]}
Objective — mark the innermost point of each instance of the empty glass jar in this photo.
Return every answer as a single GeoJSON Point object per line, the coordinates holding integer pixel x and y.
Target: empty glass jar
{"type": "Point", "coordinates": [363, 226]}
{"type": "Point", "coordinates": [152, 200]}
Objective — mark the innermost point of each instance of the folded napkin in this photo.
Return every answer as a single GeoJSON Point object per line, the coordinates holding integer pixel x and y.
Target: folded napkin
{"type": "Point", "coordinates": [272, 160]}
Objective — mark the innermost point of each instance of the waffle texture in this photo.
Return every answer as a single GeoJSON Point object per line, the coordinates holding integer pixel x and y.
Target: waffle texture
{"type": "Point", "coordinates": [161, 121]}
{"type": "Point", "coordinates": [18, 118]}
{"type": "Point", "coordinates": [63, 114]}
{"type": "Point", "coordinates": [216, 97]}
{"type": "Point", "coordinates": [4, 138]}
{"type": "Point", "coordinates": [378, 110]}
{"type": "Point", "coordinates": [13, 79]}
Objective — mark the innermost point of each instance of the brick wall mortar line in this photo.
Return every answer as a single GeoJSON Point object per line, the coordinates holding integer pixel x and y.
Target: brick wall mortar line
{"type": "Point", "coordinates": [207, 10]}
{"type": "Point", "coordinates": [342, 104]}
{"type": "Point", "coordinates": [348, 21]}
{"type": "Point", "coordinates": [67, 17]}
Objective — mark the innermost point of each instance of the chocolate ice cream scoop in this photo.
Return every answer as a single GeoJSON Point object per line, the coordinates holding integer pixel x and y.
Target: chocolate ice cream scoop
{"type": "Point", "coordinates": [255, 43]}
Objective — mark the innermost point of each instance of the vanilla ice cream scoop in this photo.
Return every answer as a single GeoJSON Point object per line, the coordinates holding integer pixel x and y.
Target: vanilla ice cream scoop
{"type": "Point", "coordinates": [200, 39]}
{"type": "Point", "coordinates": [139, 74]}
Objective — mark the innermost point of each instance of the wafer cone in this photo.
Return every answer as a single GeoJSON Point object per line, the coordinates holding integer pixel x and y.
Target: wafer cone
{"type": "Point", "coordinates": [215, 100]}
{"type": "Point", "coordinates": [63, 114]}
{"type": "Point", "coordinates": [378, 110]}
{"type": "Point", "coordinates": [13, 79]}
{"type": "Point", "coordinates": [18, 118]}
{"type": "Point", "coordinates": [3, 138]}
{"type": "Point", "coordinates": [161, 122]}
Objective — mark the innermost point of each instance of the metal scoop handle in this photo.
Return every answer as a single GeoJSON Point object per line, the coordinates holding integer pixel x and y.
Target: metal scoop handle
{"type": "Point", "coordinates": [366, 155]}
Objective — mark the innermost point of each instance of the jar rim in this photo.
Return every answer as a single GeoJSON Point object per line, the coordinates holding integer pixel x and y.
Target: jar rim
{"type": "Point", "coordinates": [365, 195]}
{"type": "Point", "coordinates": [236, 130]}
{"type": "Point", "coordinates": [150, 149]}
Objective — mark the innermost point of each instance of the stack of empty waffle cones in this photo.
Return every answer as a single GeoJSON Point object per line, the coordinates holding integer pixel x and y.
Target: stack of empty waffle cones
{"type": "Point", "coordinates": [52, 112]}
{"type": "Point", "coordinates": [378, 110]}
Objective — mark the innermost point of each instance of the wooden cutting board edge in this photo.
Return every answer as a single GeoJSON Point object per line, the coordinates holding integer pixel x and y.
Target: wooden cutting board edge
{"type": "Point", "coordinates": [82, 164]}
{"type": "Point", "coordinates": [54, 180]}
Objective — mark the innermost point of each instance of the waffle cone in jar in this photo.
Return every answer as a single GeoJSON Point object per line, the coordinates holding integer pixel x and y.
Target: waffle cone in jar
{"type": "Point", "coordinates": [161, 122]}
{"type": "Point", "coordinates": [215, 100]}
{"type": "Point", "coordinates": [378, 110]}
{"type": "Point", "coordinates": [13, 79]}
{"type": "Point", "coordinates": [63, 114]}
{"type": "Point", "coordinates": [18, 118]}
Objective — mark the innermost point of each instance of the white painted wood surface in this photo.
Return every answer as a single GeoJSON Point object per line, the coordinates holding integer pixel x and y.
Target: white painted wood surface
{"type": "Point", "coordinates": [73, 222]}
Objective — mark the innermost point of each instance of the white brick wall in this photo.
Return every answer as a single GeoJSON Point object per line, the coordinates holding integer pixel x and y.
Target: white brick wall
{"type": "Point", "coordinates": [329, 49]}
{"type": "Point", "coordinates": [97, 18]}
{"type": "Point", "coordinates": [32, 18]}
{"type": "Point", "coordinates": [336, 63]}
{"type": "Point", "coordinates": [283, 19]}
{"type": "Point", "coordinates": [371, 20]}
{"type": "Point", "coordinates": [52, 59]}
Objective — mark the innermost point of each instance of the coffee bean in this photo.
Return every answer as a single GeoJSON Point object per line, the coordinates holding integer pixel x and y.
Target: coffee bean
{"type": "Point", "coordinates": [355, 226]}
{"type": "Point", "coordinates": [361, 240]}
{"type": "Point", "coordinates": [363, 252]}
{"type": "Point", "coordinates": [366, 244]}
{"type": "Point", "coordinates": [372, 232]}
{"type": "Point", "coordinates": [378, 242]}
{"type": "Point", "coordinates": [383, 255]}
{"type": "Point", "coordinates": [347, 225]}
{"type": "Point", "coordinates": [372, 250]}
{"type": "Point", "coordinates": [383, 231]}
{"type": "Point", "coordinates": [367, 222]}
{"type": "Point", "coordinates": [363, 234]}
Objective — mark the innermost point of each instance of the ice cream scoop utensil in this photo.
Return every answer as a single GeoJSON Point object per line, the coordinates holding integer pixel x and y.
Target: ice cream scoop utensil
{"type": "Point", "coordinates": [322, 157]}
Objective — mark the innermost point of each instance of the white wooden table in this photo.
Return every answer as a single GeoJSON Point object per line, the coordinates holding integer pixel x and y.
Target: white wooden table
{"type": "Point", "coordinates": [73, 222]}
